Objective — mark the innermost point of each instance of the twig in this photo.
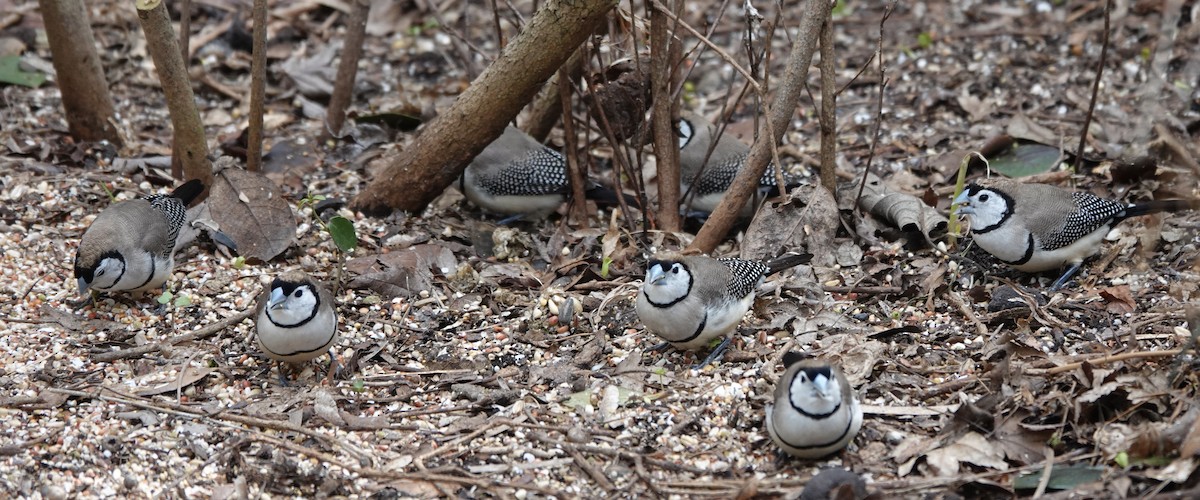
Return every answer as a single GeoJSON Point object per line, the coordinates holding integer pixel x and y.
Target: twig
{"type": "Point", "coordinates": [1105, 360]}
{"type": "Point", "coordinates": [870, 290]}
{"type": "Point", "coordinates": [962, 306]}
{"type": "Point", "coordinates": [627, 455]}
{"type": "Point", "coordinates": [1095, 83]}
{"type": "Point", "coordinates": [196, 335]}
{"type": "Point", "coordinates": [590, 468]}
{"type": "Point", "coordinates": [879, 104]}
{"type": "Point", "coordinates": [1045, 480]}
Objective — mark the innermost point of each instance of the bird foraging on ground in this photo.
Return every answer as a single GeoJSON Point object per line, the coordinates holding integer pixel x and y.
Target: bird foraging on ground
{"type": "Point", "coordinates": [1039, 227]}
{"type": "Point", "coordinates": [706, 175]}
{"type": "Point", "coordinates": [815, 411]}
{"type": "Point", "coordinates": [296, 321]}
{"type": "Point", "coordinates": [516, 175]}
{"type": "Point", "coordinates": [130, 246]}
{"type": "Point", "coordinates": [689, 300]}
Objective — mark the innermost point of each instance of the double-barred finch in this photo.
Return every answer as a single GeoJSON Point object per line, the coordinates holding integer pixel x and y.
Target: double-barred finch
{"type": "Point", "coordinates": [296, 321]}
{"type": "Point", "coordinates": [518, 176]}
{"type": "Point", "coordinates": [816, 411]}
{"type": "Point", "coordinates": [1038, 227]}
{"type": "Point", "coordinates": [706, 182]}
{"type": "Point", "coordinates": [131, 245]}
{"type": "Point", "coordinates": [689, 300]}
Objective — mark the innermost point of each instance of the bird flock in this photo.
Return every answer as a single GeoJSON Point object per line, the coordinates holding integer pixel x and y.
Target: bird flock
{"type": "Point", "coordinates": [689, 301]}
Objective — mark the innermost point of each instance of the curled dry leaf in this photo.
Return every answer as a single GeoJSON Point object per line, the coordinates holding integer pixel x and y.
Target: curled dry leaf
{"type": "Point", "coordinates": [249, 209]}
{"type": "Point", "coordinates": [901, 210]}
{"type": "Point", "coordinates": [402, 273]}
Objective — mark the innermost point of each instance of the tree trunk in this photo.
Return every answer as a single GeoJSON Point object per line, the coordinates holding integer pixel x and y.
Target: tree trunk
{"type": "Point", "coordinates": [189, 143]}
{"type": "Point", "coordinates": [664, 56]}
{"type": "Point", "coordinates": [86, 101]}
{"type": "Point", "coordinates": [446, 146]}
{"type": "Point", "coordinates": [771, 129]}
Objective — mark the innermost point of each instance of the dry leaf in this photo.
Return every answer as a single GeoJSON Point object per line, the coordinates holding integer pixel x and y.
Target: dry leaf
{"type": "Point", "coordinates": [250, 210]}
{"type": "Point", "coordinates": [904, 211]}
{"type": "Point", "coordinates": [808, 220]}
{"type": "Point", "coordinates": [1118, 300]}
{"type": "Point", "coordinates": [402, 273]}
{"type": "Point", "coordinates": [971, 448]}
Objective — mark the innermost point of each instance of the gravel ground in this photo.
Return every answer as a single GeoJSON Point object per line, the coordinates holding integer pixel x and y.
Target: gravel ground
{"type": "Point", "coordinates": [489, 384]}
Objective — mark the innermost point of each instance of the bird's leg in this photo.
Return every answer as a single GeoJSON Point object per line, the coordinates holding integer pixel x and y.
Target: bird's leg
{"type": "Point", "coordinates": [283, 379]}
{"type": "Point", "coordinates": [1062, 280]}
{"type": "Point", "coordinates": [335, 369]}
{"type": "Point", "coordinates": [510, 219]}
{"type": "Point", "coordinates": [716, 354]}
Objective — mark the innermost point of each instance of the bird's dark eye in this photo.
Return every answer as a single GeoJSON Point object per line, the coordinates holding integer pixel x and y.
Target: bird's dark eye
{"type": "Point", "coordinates": [675, 270]}
{"type": "Point", "coordinates": [983, 197]}
{"type": "Point", "coordinates": [298, 294]}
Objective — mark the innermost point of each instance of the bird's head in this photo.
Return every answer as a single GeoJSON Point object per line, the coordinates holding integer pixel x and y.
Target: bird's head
{"type": "Point", "coordinates": [667, 280]}
{"type": "Point", "coordinates": [99, 271]}
{"type": "Point", "coordinates": [292, 301]}
{"type": "Point", "coordinates": [985, 203]}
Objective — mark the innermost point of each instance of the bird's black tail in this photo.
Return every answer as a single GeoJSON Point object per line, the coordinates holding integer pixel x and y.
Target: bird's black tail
{"type": "Point", "coordinates": [787, 261]}
{"type": "Point", "coordinates": [605, 196]}
{"type": "Point", "coordinates": [188, 191]}
{"type": "Point", "coordinates": [1156, 206]}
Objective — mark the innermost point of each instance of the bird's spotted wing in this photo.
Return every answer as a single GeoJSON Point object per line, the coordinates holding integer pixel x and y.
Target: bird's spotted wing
{"type": "Point", "coordinates": [1091, 212]}
{"type": "Point", "coordinates": [175, 213]}
{"type": "Point", "coordinates": [744, 276]}
{"type": "Point", "coordinates": [540, 172]}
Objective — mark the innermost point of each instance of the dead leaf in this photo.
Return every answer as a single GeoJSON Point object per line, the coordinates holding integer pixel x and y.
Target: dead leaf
{"type": "Point", "coordinates": [402, 273]}
{"type": "Point", "coordinates": [188, 376]}
{"type": "Point", "coordinates": [251, 211]}
{"type": "Point", "coordinates": [970, 448]}
{"type": "Point", "coordinates": [326, 407]}
{"type": "Point", "coordinates": [902, 210]}
{"type": "Point", "coordinates": [1118, 300]}
{"type": "Point", "coordinates": [808, 220]}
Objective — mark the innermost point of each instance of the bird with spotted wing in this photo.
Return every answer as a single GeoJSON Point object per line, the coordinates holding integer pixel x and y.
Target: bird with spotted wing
{"type": "Point", "coordinates": [689, 300]}
{"type": "Point", "coordinates": [130, 246]}
{"type": "Point", "coordinates": [1039, 227]}
{"type": "Point", "coordinates": [517, 176]}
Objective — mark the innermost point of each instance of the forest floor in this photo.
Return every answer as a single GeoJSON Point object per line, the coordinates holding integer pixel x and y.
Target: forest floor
{"type": "Point", "coordinates": [508, 361]}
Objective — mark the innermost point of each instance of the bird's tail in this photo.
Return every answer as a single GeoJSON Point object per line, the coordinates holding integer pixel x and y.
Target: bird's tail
{"type": "Point", "coordinates": [605, 196]}
{"type": "Point", "coordinates": [1153, 207]}
{"type": "Point", "coordinates": [786, 261]}
{"type": "Point", "coordinates": [188, 191]}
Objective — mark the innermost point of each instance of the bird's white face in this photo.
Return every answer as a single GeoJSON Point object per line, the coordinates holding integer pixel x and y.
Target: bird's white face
{"type": "Point", "coordinates": [286, 308]}
{"type": "Point", "coordinates": [815, 390]}
{"type": "Point", "coordinates": [667, 282]}
{"type": "Point", "coordinates": [106, 275]}
{"type": "Point", "coordinates": [685, 133]}
{"type": "Point", "coordinates": [986, 207]}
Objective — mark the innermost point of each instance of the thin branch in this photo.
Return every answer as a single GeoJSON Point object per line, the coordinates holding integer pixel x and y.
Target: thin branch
{"type": "Point", "coordinates": [1087, 121]}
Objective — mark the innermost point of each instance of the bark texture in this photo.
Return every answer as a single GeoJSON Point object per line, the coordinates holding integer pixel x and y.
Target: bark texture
{"type": "Point", "coordinates": [448, 143]}
{"type": "Point", "coordinates": [190, 146]}
{"type": "Point", "coordinates": [86, 101]}
{"type": "Point", "coordinates": [664, 52]}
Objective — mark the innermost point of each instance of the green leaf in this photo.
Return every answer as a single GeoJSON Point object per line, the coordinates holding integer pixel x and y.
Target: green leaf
{"type": "Point", "coordinates": [924, 40]}
{"type": "Point", "coordinates": [358, 386]}
{"type": "Point", "coordinates": [1061, 478]}
{"type": "Point", "coordinates": [1122, 459]}
{"type": "Point", "coordinates": [342, 231]}
{"type": "Point", "coordinates": [239, 262]}
{"type": "Point", "coordinates": [604, 263]}
{"type": "Point", "coordinates": [165, 297]}
{"type": "Point", "coordinates": [1025, 158]}
{"type": "Point", "coordinates": [11, 72]}
{"type": "Point", "coordinates": [183, 300]}
{"type": "Point", "coordinates": [579, 400]}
